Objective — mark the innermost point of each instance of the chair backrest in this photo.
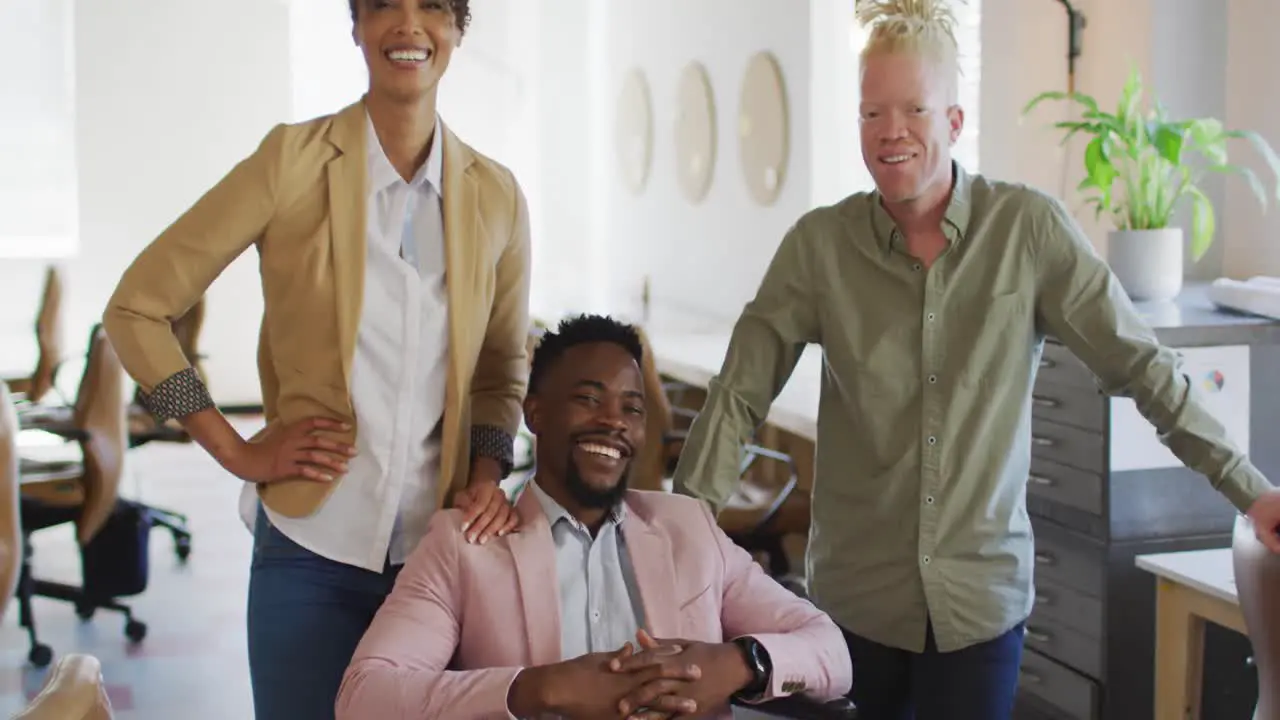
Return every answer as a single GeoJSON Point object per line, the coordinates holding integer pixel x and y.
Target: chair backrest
{"type": "Point", "coordinates": [73, 690]}
{"type": "Point", "coordinates": [650, 466]}
{"type": "Point", "coordinates": [1257, 572]}
{"type": "Point", "coordinates": [48, 336]}
{"type": "Point", "coordinates": [10, 522]}
{"type": "Point", "coordinates": [101, 414]}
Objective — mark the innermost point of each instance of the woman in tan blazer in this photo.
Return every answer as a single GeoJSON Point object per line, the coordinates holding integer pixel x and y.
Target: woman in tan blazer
{"type": "Point", "coordinates": [394, 263]}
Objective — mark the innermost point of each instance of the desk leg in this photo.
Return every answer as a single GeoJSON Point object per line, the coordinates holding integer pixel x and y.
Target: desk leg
{"type": "Point", "coordinates": [1179, 655]}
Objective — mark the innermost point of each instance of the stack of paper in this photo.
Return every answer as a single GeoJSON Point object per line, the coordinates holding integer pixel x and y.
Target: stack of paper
{"type": "Point", "coordinates": [1257, 296]}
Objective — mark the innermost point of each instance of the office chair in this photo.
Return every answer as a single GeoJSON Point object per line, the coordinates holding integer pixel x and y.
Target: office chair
{"type": "Point", "coordinates": [759, 517]}
{"type": "Point", "coordinates": [83, 492]}
{"type": "Point", "coordinates": [1257, 572]}
{"type": "Point", "coordinates": [141, 428]}
{"type": "Point", "coordinates": [10, 522]}
{"type": "Point", "coordinates": [34, 387]}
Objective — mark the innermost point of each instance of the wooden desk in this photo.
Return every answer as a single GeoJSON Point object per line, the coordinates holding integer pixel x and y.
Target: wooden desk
{"type": "Point", "coordinates": [1192, 588]}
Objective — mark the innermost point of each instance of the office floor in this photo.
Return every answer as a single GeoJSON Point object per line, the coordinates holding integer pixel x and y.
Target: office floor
{"type": "Point", "coordinates": [192, 663]}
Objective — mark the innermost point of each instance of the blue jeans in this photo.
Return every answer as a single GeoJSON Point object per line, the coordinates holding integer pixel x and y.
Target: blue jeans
{"type": "Point", "coordinates": [306, 615]}
{"type": "Point", "coordinates": [976, 683]}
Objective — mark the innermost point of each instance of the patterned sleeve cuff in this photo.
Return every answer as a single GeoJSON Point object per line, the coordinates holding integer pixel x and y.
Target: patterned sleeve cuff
{"type": "Point", "coordinates": [495, 443]}
{"type": "Point", "coordinates": [180, 395]}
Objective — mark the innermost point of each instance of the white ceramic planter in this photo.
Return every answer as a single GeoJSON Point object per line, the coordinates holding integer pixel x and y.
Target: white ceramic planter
{"type": "Point", "coordinates": [1148, 263]}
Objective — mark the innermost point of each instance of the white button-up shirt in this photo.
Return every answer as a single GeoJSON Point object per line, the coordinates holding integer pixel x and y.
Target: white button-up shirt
{"type": "Point", "coordinates": [380, 510]}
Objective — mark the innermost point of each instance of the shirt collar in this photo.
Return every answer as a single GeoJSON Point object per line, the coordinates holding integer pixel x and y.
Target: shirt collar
{"type": "Point", "coordinates": [555, 512]}
{"type": "Point", "coordinates": [383, 175]}
{"type": "Point", "coordinates": [955, 220]}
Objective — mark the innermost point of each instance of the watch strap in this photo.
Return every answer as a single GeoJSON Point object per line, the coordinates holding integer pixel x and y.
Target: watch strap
{"type": "Point", "coordinates": [759, 663]}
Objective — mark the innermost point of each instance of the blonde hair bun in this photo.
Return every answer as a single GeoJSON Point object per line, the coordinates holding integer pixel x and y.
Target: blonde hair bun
{"type": "Point", "coordinates": [926, 26]}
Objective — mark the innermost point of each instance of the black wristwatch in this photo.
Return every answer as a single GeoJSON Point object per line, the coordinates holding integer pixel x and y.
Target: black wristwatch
{"type": "Point", "coordinates": [760, 665]}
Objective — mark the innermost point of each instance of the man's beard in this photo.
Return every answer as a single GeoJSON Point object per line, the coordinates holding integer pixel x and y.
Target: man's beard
{"type": "Point", "coordinates": [589, 497]}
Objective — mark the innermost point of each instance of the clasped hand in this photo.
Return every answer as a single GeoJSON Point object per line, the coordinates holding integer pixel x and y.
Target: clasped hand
{"type": "Point", "coordinates": [654, 680]}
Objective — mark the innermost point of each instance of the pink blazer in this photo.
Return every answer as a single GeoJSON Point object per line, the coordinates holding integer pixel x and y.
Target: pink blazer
{"type": "Point", "coordinates": [464, 619]}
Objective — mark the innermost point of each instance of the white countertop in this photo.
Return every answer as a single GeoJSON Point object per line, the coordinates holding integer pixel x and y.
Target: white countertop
{"type": "Point", "coordinates": [1209, 571]}
{"type": "Point", "coordinates": [696, 357]}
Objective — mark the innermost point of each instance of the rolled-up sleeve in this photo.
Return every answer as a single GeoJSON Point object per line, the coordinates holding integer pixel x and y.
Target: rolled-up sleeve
{"type": "Point", "coordinates": [767, 342]}
{"type": "Point", "coordinates": [1083, 305]}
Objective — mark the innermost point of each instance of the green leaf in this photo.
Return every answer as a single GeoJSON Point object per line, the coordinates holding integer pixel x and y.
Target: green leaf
{"type": "Point", "coordinates": [1264, 149]}
{"type": "Point", "coordinates": [1098, 167]}
{"type": "Point", "coordinates": [1249, 176]}
{"type": "Point", "coordinates": [1202, 223]}
{"type": "Point", "coordinates": [1089, 103]}
{"type": "Point", "coordinates": [1167, 140]}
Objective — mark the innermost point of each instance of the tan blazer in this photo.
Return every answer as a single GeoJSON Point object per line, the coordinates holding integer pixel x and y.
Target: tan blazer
{"type": "Point", "coordinates": [300, 198]}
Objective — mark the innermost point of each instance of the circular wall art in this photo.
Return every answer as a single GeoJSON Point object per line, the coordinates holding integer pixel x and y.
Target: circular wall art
{"type": "Point", "coordinates": [634, 131]}
{"type": "Point", "coordinates": [762, 128]}
{"type": "Point", "coordinates": [695, 132]}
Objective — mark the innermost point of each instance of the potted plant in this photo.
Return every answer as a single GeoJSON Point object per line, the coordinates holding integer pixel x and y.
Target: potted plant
{"type": "Point", "coordinates": [1139, 169]}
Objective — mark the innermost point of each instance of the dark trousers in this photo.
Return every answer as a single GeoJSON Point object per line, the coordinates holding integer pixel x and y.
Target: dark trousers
{"type": "Point", "coordinates": [306, 615]}
{"type": "Point", "coordinates": [975, 683]}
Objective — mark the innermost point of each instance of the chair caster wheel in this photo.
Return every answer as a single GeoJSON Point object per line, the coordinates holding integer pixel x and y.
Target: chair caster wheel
{"type": "Point", "coordinates": [135, 630]}
{"type": "Point", "coordinates": [182, 548]}
{"type": "Point", "coordinates": [85, 610]}
{"type": "Point", "coordinates": [40, 655]}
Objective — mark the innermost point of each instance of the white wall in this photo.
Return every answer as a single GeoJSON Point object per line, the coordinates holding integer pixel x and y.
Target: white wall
{"type": "Point", "coordinates": [1253, 32]}
{"type": "Point", "coordinates": [154, 133]}
{"type": "Point", "coordinates": [1200, 57]}
{"type": "Point", "coordinates": [709, 256]}
{"type": "Point", "coordinates": [158, 124]}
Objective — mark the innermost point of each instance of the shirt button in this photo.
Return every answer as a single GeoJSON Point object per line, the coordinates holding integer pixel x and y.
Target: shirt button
{"type": "Point", "coordinates": [916, 267]}
{"type": "Point", "coordinates": [929, 500]}
{"type": "Point", "coordinates": [933, 379]}
{"type": "Point", "coordinates": [926, 560]}
{"type": "Point", "coordinates": [930, 316]}
{"type": "Point", "coordinates": [933, 440]}
{"type": "Point", "coordinates": [595, 615]}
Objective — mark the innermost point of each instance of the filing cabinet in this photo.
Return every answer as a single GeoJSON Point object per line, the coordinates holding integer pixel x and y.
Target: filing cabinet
{"type": "Point", "coordinates": [1100, 493]}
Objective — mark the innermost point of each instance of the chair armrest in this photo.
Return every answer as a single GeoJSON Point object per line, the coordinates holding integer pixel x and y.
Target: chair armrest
{"type": "Point", "coordinates": [799, 707]}
{"type": "Point", "coordinates": [684, 412]}
{"type": "Point", "coordinates": [752, 452]}
{"type": "Point", "coordinates": [18, 385]}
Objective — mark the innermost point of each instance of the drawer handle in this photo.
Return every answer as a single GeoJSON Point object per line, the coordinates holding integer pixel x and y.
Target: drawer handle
{"type": "Point", "coordinates": [1044, 558]}
{"type": "Point", "coordinates": [1044, 401]}
{"type": "Point", "coordinates": [1040, 480]}
{"type": "Point", "coordinates": [1038, 636]}
{"type": "Point", "coordinates": [1041, 441]}
{"type": "Point", "coordinates": [1028, 677]}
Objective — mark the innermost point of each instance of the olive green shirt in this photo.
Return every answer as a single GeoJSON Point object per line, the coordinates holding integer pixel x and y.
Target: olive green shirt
{"type": "Point", "coordinates": [924, 422]}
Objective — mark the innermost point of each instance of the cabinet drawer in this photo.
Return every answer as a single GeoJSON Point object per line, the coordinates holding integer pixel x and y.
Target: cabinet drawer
{"type": "Point", "coordinates": [1060, 607]}
{"type": "Point", "coordinates": [1070, 405]}
{"type": "Point", "coordinates": [1053, 629]}
{"type": "Point", "coordinates": [1075, 695]}
{"type": "Point", "coordinates": [1060, 365]}
{"type": "Point", "coordinates": [1068, 445]}
{"type": "Point", "coordinates": [1066, 485]}
{"type": "Point", "coordinates": [1068, 560]}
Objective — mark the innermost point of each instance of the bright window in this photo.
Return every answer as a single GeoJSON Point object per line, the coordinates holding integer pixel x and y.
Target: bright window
{"type": "Point", "coordinates": [969, 35]}
{"type": "Point", "coordinates": [39, 213]}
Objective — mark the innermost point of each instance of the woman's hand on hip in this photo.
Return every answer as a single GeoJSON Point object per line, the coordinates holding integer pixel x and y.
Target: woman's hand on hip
{"type": "Point", "coordinates": [296, 450]}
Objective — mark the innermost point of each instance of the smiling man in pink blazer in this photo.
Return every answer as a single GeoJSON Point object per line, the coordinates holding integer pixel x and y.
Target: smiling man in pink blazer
{"type": "Point", "coordinates": [559, 618]}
